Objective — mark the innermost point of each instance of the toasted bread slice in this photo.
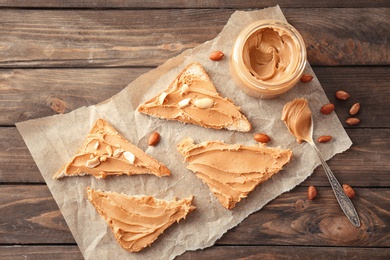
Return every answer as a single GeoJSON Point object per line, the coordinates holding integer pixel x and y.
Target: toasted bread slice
{"type": "Point", "coordinates": [106, 152]}
{"type": "Point", "coordinates": [232, 171]}
{"type": "Point", "coordinates": [137, 221]}
{"type": "Point", "coordinates": [192, 98]}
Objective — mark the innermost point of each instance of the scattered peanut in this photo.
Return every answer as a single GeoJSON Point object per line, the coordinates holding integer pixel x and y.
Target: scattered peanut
{"type": "Point", "coordinates": [311, 192]}
{"type": "Point", "coordinates": [261, 138]}
{"type": "Point", "coordinates": [352, 121]}
{"type": "Point", "coordinates": [324, 138]}
{"type": "Point", "coordinates": [354, 109]}
{"type": "Point", "coordinates": [154, 138]}
{"type": "Point", "coordinates": [327, 108]}
{"type": "Point", "coordinates": [349, 191]}
{"type": "Point", "coordinates": [342, 95]}
{"type": "Point", "coordinates": [306, 78]}
{"type": "Point", "coordinates": [216, 55]}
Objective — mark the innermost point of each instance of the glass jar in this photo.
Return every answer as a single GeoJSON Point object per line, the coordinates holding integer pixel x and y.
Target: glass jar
{"type": "Point", "coordinates": [268, 58]}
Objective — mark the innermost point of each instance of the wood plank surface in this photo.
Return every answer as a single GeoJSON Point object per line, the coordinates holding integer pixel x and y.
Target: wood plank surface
{"type": "Point", "coordinates": [90, 38]}
{"type": "Point", "coordinates": [31, 216]}
{"type": "Point", "coordinates": [57, 56]}
{"type": "Point", "coordinates": [149, 4]}
{"type": "Point", "coordinates": [215, 253]}
{"type": "Point", "coordinates": [34, 93]}
{"type": "Point", "coordinates": [365, 164]}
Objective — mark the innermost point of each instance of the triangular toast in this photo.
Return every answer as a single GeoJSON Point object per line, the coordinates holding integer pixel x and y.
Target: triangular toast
{"type": "Point", "coordinates": [106, 152]}
{"type": "Point", "coordinates": [137, 221]}
{"type": "Point", "coordinates": [231, 170]}
{"type": "Point", "coordinates": [193, 98]}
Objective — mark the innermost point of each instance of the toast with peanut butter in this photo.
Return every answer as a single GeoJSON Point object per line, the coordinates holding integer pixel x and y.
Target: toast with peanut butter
{"type": "Point", "coordinates": [232, 171]}
{"type": "Point", "coordinates": [192, 98]}
{"type": "Point", "coordinates": [105, 152]}
{"type": "Point", "coordinates": [137, 221]}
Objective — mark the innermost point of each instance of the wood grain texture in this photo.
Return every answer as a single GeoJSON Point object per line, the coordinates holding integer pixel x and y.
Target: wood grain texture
{"type": "Point", "coordinates": [187, 4]}
{"type": "Point", "coordinates": [56, 56]}
{"type": "Point", "coordinates": [292, 219]}
{"type": "Point", "coordinates": [91, 38]}
{"type": "Point", "coordinates": [34, 93]}
{"type": "Point", "coordinates": [40, 252]}
{"type": "Point", "coordinates": [365, 164]}
{"type": "Point", "coordinates": [286, 252]}
{"type": "Point", "coordinates": [367, 85]}
{"type": "Point", "coordinates": [215, 253]}
{"type": "Point", "coordinates": [30, 216]}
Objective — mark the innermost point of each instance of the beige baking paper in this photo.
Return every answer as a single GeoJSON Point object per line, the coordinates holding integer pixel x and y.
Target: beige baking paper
{"type": "Point", "coordinates": [53, 140]}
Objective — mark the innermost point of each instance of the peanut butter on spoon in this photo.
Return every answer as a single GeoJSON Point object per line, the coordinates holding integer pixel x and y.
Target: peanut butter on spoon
{"type": "Point", "coordinates": [297, 117]}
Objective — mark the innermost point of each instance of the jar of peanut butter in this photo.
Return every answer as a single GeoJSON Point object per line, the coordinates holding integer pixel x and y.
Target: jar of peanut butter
{"type": "Point", "coordinates": [268, 58]}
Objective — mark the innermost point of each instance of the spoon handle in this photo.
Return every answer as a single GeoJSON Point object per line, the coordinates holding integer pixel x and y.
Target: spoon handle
{"type": "Point", "coordinates": [344, 201]}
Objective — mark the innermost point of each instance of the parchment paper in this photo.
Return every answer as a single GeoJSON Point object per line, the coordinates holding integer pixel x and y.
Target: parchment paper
{"type": "Point", "coordinates": [53, 140]}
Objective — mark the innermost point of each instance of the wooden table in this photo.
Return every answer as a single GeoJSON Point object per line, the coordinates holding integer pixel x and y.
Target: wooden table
{"type": "Point", "coordinates": [56, 56]}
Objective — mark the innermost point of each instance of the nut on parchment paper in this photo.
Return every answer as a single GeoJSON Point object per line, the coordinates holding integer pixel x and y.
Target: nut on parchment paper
{"type": "Point", "coordinates": [324, 138]}
{"type": "Point", "coordinates": [327, 108]}
{"type": "Point", "coordinates": [154, 138]}
{"type": "Point", "coordinates": [261, 138]}
{"type": "Point", "coordinates": [216, 55]}
{"type": "Point", "coordinates": [306, 78]}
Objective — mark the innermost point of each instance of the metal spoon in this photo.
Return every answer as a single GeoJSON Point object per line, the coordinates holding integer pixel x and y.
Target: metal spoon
{"type": "Point", "coordinates": [344, 201]}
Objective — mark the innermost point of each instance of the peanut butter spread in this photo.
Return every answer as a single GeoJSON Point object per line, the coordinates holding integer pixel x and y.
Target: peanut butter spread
{"type": "Point", "coordinates": [105, 152]}
{"type": "Point", "coordinates": [137, 221]}
{"type": "Point", "coordinates": [297, 117]}
{"type": "Point", "coordinates": [192, 98]}
{"type": "Point", "coordinates": [271, 55]}
{"type": "Point", "coordinates": [231, 170]}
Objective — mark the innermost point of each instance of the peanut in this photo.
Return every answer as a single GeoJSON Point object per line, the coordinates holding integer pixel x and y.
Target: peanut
{"type": "Point", "coordinates": [349, 191]}
{"type": "Point", "coordinates": [216, 55]}
{"type": "Point", "coordinates": [204, 103]}
{"type": "Point", "coordinates": [154, 138]}
{"type": "Point", "coordinates": [327, 108]}
{"type": "Point", "coordinates": [352, 121]}
{"type": "Point", "coordinates": [324, 138]}
{"type": "Point", "coordinates": [261, 138]}
{"type": "Point", "coordinates": [342, 95]}
{"type": "Point", "coordinates": [354, 109]}
{"type": "Point", "coordinates": [306, 78]}
{"type": "Point", "coordinates": [311, 192]}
